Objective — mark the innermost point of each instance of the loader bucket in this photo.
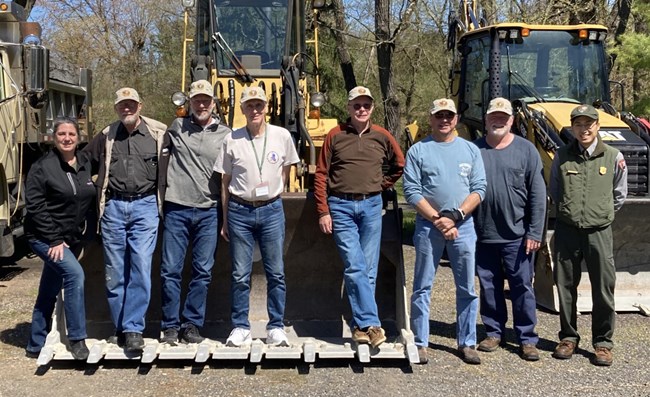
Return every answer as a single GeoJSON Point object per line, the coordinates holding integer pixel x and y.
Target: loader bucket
{"type": "Point", "coordinates": [317, 308]}
{"type": "Point", "coordinates": [631, 233]}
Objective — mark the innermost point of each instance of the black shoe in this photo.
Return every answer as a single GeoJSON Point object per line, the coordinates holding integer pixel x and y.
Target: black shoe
{"type": "Point", "coordinates": [190, 334]}
{"type": "Point", "coordinates": [134, 342]}
{"type": "Point", "coordinates": [170, 335]}
{"type": "Point", "coordinates": [117, 339]}
{"type": "Point", "coordinates": [79, 350]}
{"type": "Point", "coordinates": [32, 354]}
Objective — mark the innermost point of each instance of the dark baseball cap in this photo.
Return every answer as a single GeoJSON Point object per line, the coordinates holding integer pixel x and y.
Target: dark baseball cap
{"type": "Point", "coordinates": [585, 110]}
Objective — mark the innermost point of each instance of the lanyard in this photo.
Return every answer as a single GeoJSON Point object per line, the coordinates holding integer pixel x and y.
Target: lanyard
{"type": "Point", "coordinates": [260, 162]}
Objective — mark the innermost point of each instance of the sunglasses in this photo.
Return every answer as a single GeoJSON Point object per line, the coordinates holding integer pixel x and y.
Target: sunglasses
{"type": "Point", "coordinates": [444, 115]}
{"type": "Point", "coordinates": [366, 106]}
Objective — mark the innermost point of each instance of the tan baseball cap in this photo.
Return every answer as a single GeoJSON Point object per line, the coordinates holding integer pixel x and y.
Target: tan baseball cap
{"type": "Point", "coordinates": [126, 93]}
{"type": "Point", "coordinates": [500, 105]}
{"type": "Point", "coordinates": [359, 91]}
{"type": "Point", "coordinates": [250, 93]}
{"type": "Point", "coordinates": [443, 104]}
{"type": "Point", "coordinates": [201, 87]}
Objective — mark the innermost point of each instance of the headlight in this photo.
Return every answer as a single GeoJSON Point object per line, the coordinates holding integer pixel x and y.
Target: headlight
{"type": "Point", "coordinates": [317, 99]}
{"type": "Point", "coordinates": [179, 99]}
{"type": "Point", "coordinates": [188, 3]}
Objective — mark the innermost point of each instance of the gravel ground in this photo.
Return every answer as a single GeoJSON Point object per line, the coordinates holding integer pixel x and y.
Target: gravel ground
{"type": "Point", "coordinates": [502, 373]}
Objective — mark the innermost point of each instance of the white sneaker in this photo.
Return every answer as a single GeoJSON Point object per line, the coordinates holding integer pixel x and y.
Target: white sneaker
{"type": "Point", "coordinates": [238, 337]}
{"type": "Point", "coordinates": [277, 336]}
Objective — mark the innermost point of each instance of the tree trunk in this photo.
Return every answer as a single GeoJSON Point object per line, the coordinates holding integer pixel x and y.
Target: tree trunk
{"type": "Point", "coordinates": [347, 68]}
{"type": "Point", "coordinates": [385, 50]}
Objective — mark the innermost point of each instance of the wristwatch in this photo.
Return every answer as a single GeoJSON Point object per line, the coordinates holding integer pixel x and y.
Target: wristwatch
{"type": "Point", "coordinates": [455, 215]}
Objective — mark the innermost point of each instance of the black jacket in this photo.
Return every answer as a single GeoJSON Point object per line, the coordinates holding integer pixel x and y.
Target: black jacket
{"type": "Point", "coordinates": [58, 198]}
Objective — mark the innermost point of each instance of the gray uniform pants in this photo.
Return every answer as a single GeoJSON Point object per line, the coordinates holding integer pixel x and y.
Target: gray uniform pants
{"type": "Point", "coordinates": [594, 245]}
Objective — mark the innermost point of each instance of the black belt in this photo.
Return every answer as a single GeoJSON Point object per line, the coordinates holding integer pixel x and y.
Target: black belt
{"type": "Point", "coordinates": [128, 196]}
{"type": "Point", "coordinates": [255, 204]}
{"type": "Point", "coordinates": [353, 196]}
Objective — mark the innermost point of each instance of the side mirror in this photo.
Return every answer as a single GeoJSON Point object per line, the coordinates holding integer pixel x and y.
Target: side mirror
{"type": "Point", "coordinates": [38, 62]}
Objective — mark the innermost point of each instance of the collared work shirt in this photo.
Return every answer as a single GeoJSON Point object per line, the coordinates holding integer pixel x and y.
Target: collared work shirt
{"type": "Point", "coordinates": [134, 163]}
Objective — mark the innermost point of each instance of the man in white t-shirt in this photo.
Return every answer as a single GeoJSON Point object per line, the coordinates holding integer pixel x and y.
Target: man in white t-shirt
{"type": "Point", "coordinates": [254, 162]}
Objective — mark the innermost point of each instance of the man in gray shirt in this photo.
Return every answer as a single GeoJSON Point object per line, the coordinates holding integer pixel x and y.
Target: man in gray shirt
{"type": "Point", "coordinates": [190, 214]}
{"type": "Point", "coordinates": [509, 227]}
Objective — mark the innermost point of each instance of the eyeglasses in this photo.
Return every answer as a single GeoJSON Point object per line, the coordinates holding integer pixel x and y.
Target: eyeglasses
{"type": "Point", "coordinates": [586, 126]}
{"type": "Point", "coordinates": [444, 115]}
{"type": "Point", "coordinates": [366, 106]}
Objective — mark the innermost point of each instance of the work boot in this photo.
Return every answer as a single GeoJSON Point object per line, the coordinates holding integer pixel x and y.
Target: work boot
{"type": "Point", "coordinates": [277, 336]}
{"type": "Point", "coordinates": [423, 355]}
{"type": "Point", "coordinates": [238, 337]}
{"type": "Point", "coordinates": [564, 350]}
{"type": "Point", "coordinates": [79, 349]}
{"type": "Point", "coordinates": [469, 355]}
{"type": "Point", "coordinates": [360, 336]}
{"type": "Point", "coordinates": [529, 352]}
{"type": "Point", "coordinates": [133, 342]}
{"type": "Point", "coordinates": [377, 336]}
{"type": "Point", "coordinates": [603, 356]}
{"type": "Point", "coordinates": [170, 335]}
{"type": "Point", "coordinates": [489, 344]}
{"type": "Point", "coordinates": [190, 334]}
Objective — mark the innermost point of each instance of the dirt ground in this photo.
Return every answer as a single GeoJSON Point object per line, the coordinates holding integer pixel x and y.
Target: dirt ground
{"type": "Point", "coordinates": [502, 373]}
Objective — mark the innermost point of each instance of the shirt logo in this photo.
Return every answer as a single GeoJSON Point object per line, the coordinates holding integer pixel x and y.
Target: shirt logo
{"type": "Point", "coordinates": [464, 169]}
{"type": "Point", "coordinates": [273, 157]}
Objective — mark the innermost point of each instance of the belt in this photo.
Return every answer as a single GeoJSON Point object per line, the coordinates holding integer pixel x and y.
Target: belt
{"type": "Point", "coordinates": [353, 196]}
{"type": "Point", "coordinates": [128, 196]}
{"type": "Point", "coordinates": [254, 204]}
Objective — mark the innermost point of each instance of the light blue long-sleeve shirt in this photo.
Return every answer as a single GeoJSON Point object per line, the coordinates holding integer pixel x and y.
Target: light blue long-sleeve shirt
{"type": "Point", "coordinates": [443, 173]}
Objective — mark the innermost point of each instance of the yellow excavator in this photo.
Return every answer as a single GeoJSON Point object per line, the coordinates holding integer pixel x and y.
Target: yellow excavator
{"type": "Point", "coordinates": [546, 71]}
{"type": "Point", "coordinates": [266, 43]}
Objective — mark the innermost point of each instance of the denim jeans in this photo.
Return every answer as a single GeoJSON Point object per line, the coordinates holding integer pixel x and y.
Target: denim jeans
{"type": "Point", "coordinates": [246, 225]}
{"type": "Point", "coordinates": [129, 230]}
{"type": "Point", "coordinates": [429, 246]}
{"type": "Point", "coordinates": [496, 262]}
{"type": "Point", "coordinates": [356, 227]}
{"type": "Point", "coordinates": [182, 225]}
{"type": "Point", "coordinates": [66, 273]}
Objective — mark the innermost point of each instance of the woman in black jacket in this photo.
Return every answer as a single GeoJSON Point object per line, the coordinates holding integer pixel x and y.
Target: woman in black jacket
{"type": "Point", "coordinates": [59, 192]}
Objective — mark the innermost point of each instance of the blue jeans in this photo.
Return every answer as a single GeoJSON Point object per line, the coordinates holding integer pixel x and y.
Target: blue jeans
{"type": "Point", "coordinates": [356, 227]}
{"type": "Point", "coordinates": [265, 225]}
{"type": "Point", "coordinates": [494, 263]}
{"type": "Point", "coordinates": [182, 224]}
{"type": "Point", "coordinates": [429, 246]}
{"type": "Point", "coordinates": [129, 230]}
{"type": "Point", "coordinates": [66, 273]}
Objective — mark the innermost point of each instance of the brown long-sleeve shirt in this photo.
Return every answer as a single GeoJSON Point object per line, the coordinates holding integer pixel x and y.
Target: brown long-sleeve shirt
{"type": "Point", "coordinates": [351, 162]}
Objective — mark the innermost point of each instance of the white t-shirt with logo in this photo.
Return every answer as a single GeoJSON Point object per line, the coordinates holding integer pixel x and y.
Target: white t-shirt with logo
{"type": "Point", "coordinates": [238, 159]}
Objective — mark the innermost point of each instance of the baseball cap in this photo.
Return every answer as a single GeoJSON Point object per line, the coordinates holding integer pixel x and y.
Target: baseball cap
{"type": "Point", "coordinates": [201, 87]}
{"type": "Point", "coordinates": [250, 93]}
{"type": "Point", "coordinates": [585, 110]}
{"type": "Point", "coordinates": [359, 91]}
{"type": "Point", "coordinates": [443, 104]}
{"type": "Point", "coordinates": [500, 105]}
{"type": "Point", "coordinates": [126, 93]}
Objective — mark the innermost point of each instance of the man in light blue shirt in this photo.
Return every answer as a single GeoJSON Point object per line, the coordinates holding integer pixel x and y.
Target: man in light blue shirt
{"type": "Point", "coordinates": [444, 180]}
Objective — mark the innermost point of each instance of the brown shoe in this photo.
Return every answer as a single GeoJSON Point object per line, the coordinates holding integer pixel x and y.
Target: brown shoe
{"type": "Point", "coordinates": [360, 336]}
{"type": "Point", "coordinates": [603, 356]}
{"type": "Point", "coordinates": [489, 344]}
{"type": "Point", "coordinates": [377, 336]}
{"type": "Point", "coordinates": [529, 352]}
{"type": "Point", "coordinates": [469, 355]}
{"type": "Point", "coordinates": [423, 355]}
{"type": "Point", "coordinates": [564, 350]}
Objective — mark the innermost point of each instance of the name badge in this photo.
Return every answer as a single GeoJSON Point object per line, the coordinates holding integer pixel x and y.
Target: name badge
{"type": "Point", "coordinates": [603, 170]}
{"type": "Point", "coordinates": [572, 172]}
{"type": "Point", "coordinates": [262, 191]}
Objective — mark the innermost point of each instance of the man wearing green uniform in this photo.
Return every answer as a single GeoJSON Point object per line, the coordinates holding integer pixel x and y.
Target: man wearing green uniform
{"type": "Point", "coordinates": [588, 185]}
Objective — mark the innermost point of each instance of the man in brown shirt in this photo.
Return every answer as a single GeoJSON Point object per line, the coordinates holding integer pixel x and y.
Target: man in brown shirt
{"type": "Point", "coordinates": [348, 185]}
